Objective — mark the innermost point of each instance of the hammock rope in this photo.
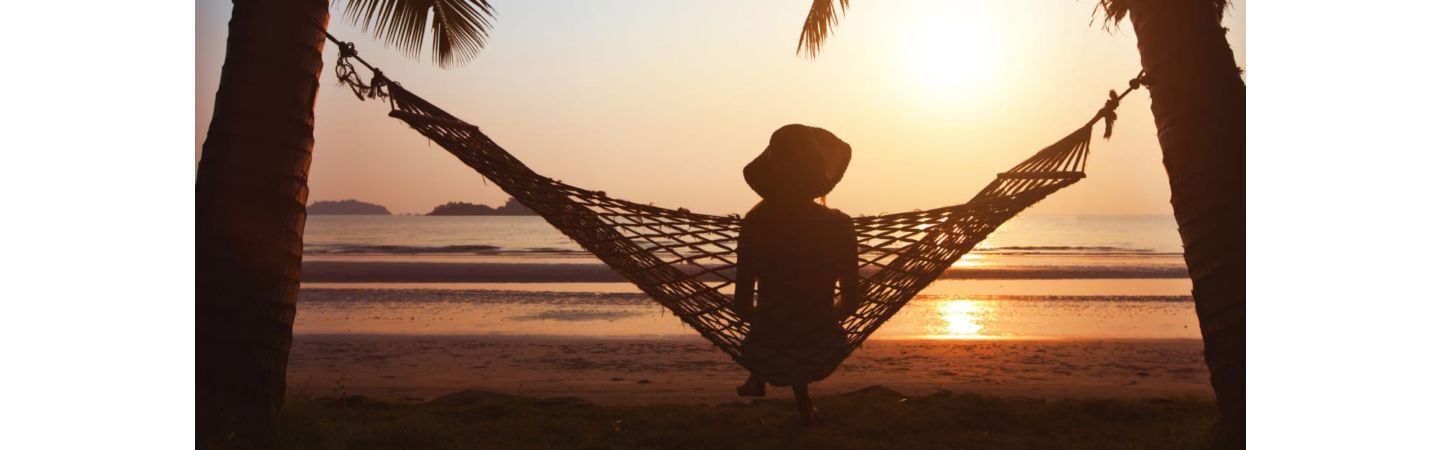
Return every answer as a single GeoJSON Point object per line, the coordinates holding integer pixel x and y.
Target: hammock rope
{"type": "Point", "coordinates": [686, 261]}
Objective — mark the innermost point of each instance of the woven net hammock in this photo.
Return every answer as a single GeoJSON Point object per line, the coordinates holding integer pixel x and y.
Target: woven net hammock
{"type": "Point", "coordinates": [686, 261]}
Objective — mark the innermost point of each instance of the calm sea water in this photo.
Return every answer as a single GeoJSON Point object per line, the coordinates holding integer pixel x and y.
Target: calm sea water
{"type": "Point", "coordinates": [1108, 287]}
{"type": "Point", "coordinates": [511, 235]}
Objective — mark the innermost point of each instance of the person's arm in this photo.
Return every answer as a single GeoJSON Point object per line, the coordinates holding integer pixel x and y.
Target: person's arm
{"type": "Point", "coordinates": [744, 277]}
{"type": "Point", "coordinates": [849, 270]}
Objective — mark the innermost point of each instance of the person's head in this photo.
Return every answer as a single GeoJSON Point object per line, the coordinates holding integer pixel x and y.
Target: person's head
{"type": "Point", "coordinates": [801, 163]}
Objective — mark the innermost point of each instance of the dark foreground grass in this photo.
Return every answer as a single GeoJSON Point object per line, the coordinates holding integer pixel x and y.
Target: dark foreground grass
{"type": "Point", "coordinates": [871, 418]}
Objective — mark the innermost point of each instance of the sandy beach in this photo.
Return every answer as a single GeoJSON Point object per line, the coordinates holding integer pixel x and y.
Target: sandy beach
{"type": "Point", "coordinates": [1048, 316]}
{"type": "Point", "coordinates": [409, 368]}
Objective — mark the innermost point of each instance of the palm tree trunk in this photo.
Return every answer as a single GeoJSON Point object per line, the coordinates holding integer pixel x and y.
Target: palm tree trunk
{"type": "Point", "coordinates": [250, 195]}
{"type": "Point", "coordinates": [1198, 100]}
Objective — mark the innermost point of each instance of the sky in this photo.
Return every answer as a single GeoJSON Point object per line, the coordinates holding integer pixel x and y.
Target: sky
{"type": "Point", "coordinates": [662, 101]}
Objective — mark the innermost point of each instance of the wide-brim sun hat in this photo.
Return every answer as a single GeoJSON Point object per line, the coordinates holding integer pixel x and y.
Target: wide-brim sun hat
{"type": "Point", "coordinates": [801, 162]}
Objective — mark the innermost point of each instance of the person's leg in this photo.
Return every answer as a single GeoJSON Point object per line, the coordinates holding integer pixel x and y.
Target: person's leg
{"type": "Point", "coordinates": [753, 387]}
{"type": "Point", "coordinates": [803, 405]}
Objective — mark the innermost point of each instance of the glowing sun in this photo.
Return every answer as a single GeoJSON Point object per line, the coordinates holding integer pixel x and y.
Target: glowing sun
{"type": "Point", "coordinates": [950, 56]}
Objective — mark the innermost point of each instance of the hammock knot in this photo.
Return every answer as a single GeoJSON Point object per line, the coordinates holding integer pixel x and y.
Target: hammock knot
{"type": "Point", "coordinates": [377, 82]}
{"type": "Point", "coordinates": [347, 75]}
{"type": "Point", "coordinates": [347, 50]}
{"type": "Point", "coordinates": [1108, 112]}
{"type": "Point", "coordinates": [1111, 104]}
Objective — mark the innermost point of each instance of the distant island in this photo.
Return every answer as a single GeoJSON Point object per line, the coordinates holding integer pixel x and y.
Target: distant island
{"type": "Point", "coordinates": [346, 207]}
{"type": "Point", "coordinates": [512, 208]}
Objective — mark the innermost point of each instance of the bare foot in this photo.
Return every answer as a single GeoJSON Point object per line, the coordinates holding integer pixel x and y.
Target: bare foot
{"type": "Point", "coordinates": [749, 389]}
{"type": "Point", "coordinates": [811, 417]}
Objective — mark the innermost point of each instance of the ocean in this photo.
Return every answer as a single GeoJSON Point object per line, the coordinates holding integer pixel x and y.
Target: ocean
{"type": "Point", "coordinates": [1037, 277]}
{"type": "Point", "coordinates": [329, 235]}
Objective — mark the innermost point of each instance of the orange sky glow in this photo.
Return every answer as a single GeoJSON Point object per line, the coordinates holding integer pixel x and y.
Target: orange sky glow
{"type": "Point", "coordinates": [664, 102]}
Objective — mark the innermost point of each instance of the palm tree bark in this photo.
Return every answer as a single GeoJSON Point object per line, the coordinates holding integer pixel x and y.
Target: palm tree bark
{"type": "Point", "coordinates": [250, 196]}
{"type": "Point", "coordinates": [1198, 99]}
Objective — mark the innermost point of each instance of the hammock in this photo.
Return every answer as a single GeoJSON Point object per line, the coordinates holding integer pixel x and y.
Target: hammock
{"type": "Point", "coordinates": [686, 261]}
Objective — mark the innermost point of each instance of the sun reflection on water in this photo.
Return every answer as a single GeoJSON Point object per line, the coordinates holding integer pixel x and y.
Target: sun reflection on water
{"type": "Point", "coordinates": [970, 260]}
{"type": "Point", "coordinates": [962, 319]}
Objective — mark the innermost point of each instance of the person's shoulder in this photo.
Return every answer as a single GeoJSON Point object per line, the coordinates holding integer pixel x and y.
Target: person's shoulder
{"type": "Point", "coordinates": [839, 218]}
{"type": "Point", "coordinates": [759, 211]}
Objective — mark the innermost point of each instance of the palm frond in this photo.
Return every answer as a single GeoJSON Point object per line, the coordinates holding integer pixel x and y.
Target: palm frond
{"type": "Point", "coordinates": [1115, 11]}
{"type": "Point", "coordinates": [458, 28]}
{"type": "Point", "coordinates": [819, 24]}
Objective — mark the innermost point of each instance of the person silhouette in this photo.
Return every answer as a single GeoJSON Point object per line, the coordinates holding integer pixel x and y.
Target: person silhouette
{"type": "Point", "coordinates": [796, 250]}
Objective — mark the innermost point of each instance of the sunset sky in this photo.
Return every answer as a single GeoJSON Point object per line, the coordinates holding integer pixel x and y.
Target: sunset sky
{"type": "Point", "coordinates": [664, 101]}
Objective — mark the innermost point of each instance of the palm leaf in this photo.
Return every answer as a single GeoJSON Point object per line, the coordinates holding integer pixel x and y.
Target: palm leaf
{"type": "Point", "coordinates": [819, 24]}
{"type": "Point", "coordinates": [1115, 11]}
{"type": "Point", "coordinates": [458, 28]}
{"type": "Point", "coordinates": [822, 20]}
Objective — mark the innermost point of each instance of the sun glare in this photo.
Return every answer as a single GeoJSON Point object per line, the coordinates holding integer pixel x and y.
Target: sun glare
{"type": "Point", "coordinates": [962, 319]}
{"type": "Point", "coordinates": [970, 260]}
{"type": "Point", "coordinates": [950, 56]}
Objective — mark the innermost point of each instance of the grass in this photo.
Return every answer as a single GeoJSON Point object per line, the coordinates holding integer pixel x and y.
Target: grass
{"type": "Point", "coordinates": [875, 417]}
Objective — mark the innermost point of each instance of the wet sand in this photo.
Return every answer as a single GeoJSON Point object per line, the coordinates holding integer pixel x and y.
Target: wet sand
{"type": "Point", "coordinates": [414, 368]}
